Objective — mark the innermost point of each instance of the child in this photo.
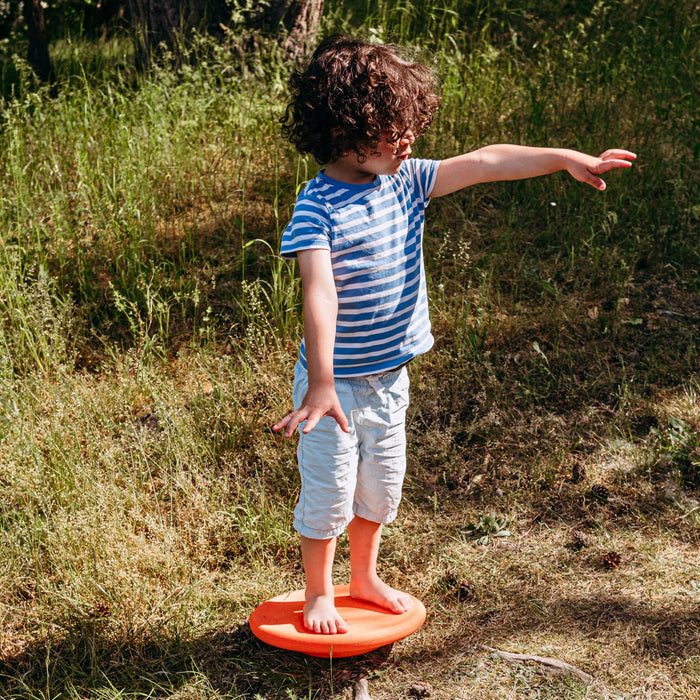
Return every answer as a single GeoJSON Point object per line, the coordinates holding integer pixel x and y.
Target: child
{"type": "Point", "coordinates": [356, 233]}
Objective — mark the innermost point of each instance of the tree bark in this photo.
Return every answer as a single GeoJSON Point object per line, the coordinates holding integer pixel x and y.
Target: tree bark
{"type": "Point", "coordinates": [38, 49]}
{"type": "Point", "coordinates": [301, 20]}
{"type": "Point", "coordinates": [297, 21]}
{"type": "Point", "coordinates": [154, 23]}
{"type": "Point", "coordinates": [165, 22]}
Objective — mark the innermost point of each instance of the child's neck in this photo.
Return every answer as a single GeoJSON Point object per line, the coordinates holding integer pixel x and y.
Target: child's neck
{"type": "Point", "coordinates": [349, 172]}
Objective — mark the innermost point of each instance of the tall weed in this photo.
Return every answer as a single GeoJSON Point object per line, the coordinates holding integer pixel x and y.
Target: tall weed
{"type": "Point", "coordinates": [39, 332]}
{"type": "Point", "coordinates": [115, 189]}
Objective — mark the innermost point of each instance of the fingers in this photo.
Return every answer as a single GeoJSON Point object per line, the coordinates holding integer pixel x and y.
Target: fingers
{"type": "Point", "coordinates": [340, 419]}
{"type": "Point", "coordinates": [311, 422]}
{"type": "Point", "coordinates": [617, 153]}
{"type": "Point", "coordinates": [608, 160]}
{"type": "Point", "coordinates": [296, 418]}
{"type": "Point", "coordinates": [292, 420]}
{"type": "Point", "coordinates": [315, 416]}
{"type": "Point", "coordinates": [590, 178]}
{"type": "Point", "coordinates": [289, 422]}
{"type": "Point", "coordinates": [606, 165]}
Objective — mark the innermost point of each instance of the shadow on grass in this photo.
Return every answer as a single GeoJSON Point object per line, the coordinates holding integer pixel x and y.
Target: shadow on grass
{"type": "Point", "coordinates": [235, 664]}
{"type": "Point", "coordinates": [228, 664]}
{"type": "Point", "coordinates": [649, 631]}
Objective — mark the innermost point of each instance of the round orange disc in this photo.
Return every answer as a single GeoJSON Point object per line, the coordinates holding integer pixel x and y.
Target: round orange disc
{"type": "Point", "coordinates": [279, 622]}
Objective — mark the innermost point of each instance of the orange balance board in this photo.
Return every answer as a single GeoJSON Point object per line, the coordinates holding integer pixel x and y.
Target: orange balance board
{"type": "Point", "coordinates": [279, 622]}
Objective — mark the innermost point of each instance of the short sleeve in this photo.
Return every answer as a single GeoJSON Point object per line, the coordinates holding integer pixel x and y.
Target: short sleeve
{"type": "Point", "coordinates": [308, 228]}
{"type": "Point", "coordinates": [423, 174]}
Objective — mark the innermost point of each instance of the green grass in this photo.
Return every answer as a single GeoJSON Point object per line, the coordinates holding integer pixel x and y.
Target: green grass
{"type": "Point", "coordinates": [148, 332]}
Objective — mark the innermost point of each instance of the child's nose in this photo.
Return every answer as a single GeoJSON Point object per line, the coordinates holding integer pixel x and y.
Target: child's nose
{"type": "Point", "coordinates": [407, 139]}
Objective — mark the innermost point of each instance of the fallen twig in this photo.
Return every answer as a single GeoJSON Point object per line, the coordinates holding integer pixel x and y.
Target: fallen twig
{"type": "Point", "coordinates": [553, 665]}
{"type": "Point", "coordinates": [690, 512]}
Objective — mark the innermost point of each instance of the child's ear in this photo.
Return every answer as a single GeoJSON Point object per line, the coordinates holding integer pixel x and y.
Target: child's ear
{"type": "Point", "coordinates": [339, 134]}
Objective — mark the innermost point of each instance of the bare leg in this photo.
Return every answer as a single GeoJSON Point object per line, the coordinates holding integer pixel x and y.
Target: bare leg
{"type": "Point", "coordinates": [364, 583]}
{"type": "Point", "coordinates": [320, 614]}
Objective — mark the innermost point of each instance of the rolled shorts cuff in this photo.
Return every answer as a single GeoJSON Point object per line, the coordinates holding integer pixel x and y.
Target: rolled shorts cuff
{"type": "Point", "coordinates": [312, 534]}
{"type": "Point", "coordinates": [383, 519]}
{"type": "Point", "coordinates": [360, 512]}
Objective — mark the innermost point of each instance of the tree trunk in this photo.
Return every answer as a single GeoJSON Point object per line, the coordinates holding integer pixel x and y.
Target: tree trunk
{"type": "Point", "coordinates": [38, 50]}
{"type": "Point", "coordinates": [166, 22]}
{"type": "Point", "coordinates": [301, 20]}
{"type": "Point", "coordinates": [154, 23]}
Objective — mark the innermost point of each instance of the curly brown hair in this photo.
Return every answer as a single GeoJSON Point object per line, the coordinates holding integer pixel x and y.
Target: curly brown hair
{"type": "Point", "coordinates": [353, 94]}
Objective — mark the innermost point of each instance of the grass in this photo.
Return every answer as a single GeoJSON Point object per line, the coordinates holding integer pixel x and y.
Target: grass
{"type": "Point", "coordinates": [149, 330]}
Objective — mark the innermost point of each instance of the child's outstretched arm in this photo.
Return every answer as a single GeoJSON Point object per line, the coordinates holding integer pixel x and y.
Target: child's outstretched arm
{"type": "Point", "coordinates": [320, 312]}
{"type": "Point", "coordinates": [512, 162]}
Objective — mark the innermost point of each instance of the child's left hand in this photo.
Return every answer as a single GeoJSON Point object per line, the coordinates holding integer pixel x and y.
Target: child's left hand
{"type": "Point", "coordinates": [587, 168]}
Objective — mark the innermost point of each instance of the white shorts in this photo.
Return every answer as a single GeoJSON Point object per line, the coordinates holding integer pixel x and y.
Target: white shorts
{"type": "Point", "coordinates": [356, 473]}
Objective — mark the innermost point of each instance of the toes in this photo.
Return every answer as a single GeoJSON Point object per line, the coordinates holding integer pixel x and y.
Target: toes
{"type": "Point", "coordinates": [326, 626]}
{"type": "Point", "coordinates": [405, 605]}
{"type": "Point", "coordinates": [402, 603]}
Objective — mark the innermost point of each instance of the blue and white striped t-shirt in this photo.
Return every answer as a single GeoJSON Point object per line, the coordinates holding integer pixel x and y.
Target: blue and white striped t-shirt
{"type": "Point", "coordinates": [374, 232]}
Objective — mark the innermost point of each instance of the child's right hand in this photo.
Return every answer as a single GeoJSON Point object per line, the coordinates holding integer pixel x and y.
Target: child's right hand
{"type": "Point", "coordinates": [318, 402]}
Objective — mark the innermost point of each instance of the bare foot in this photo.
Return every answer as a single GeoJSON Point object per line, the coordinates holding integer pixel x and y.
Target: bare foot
{"type": "Point", "coordinates": [321, 616]}
{"type": "Point", "coordinates": [376, 591]}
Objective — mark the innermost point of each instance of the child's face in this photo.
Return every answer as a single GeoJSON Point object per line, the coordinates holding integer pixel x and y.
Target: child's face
{"type": "Point", "coordinates": [387, 157]}
{"type": "Point", "coordinates": [384, 159]}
